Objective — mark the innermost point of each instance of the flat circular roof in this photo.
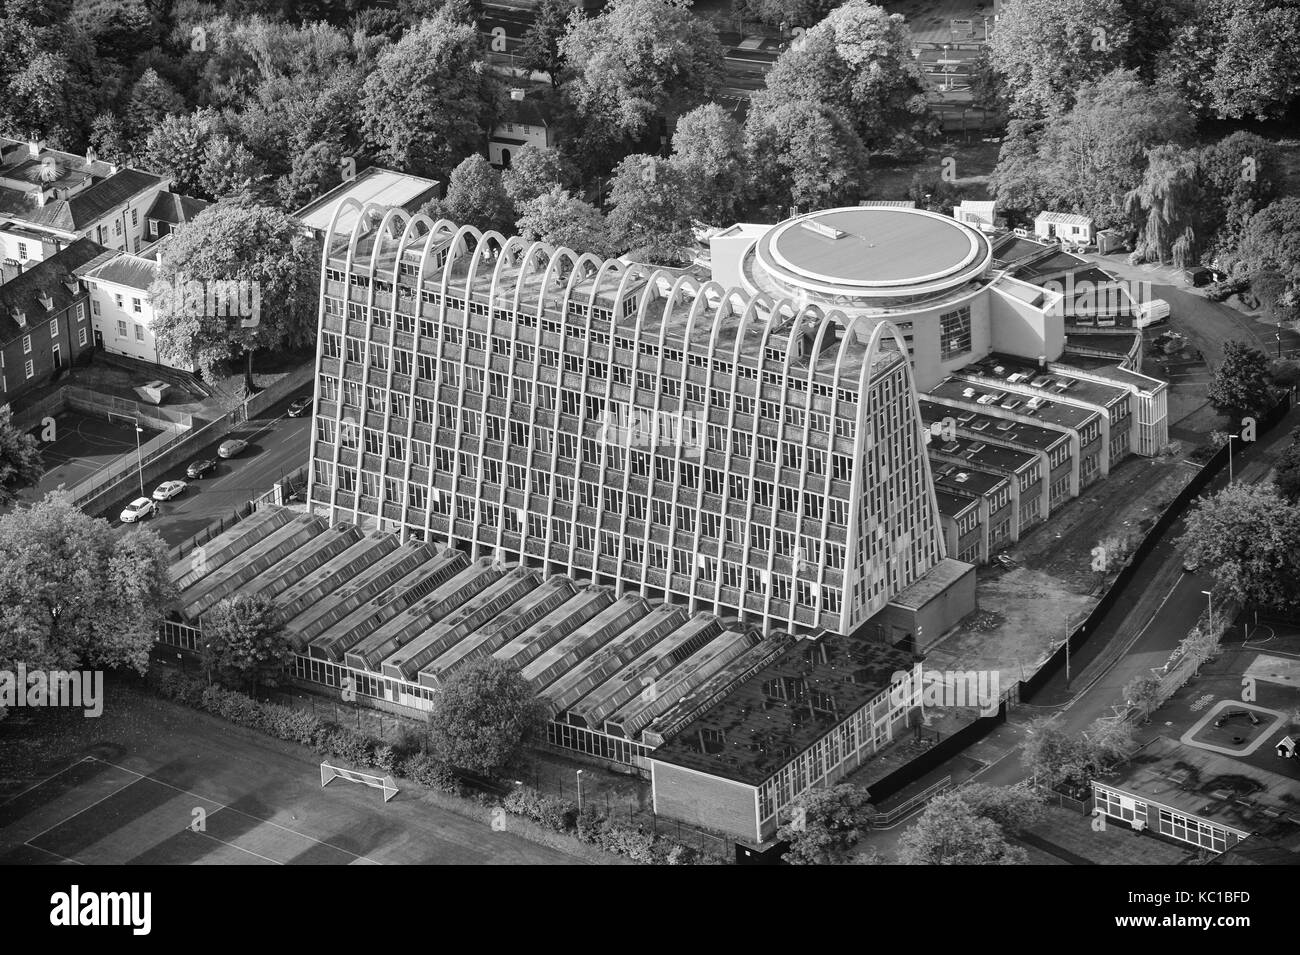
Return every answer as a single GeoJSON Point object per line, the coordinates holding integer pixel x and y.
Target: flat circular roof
{"type": "Point", "coordinates": [873, 251]}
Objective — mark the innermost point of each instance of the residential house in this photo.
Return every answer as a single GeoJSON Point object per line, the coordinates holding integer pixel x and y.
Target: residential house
{"type": "Point", "coordinates": [50, 198]}
{"type": "Point", "coordinates": [44, 320]}
{"type": "Point", "coordinates": [170, 210]}
{"type": "Point", "coordinates": [121, 313]}
{"type": "Point", "coordinates": [527, 121]}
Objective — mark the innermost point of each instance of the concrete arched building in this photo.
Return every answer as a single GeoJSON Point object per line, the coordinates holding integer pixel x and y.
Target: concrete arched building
{"type": "Point", "coordinates": [740, 450]}
{"type": "Point", "coordinates": [929, 275]}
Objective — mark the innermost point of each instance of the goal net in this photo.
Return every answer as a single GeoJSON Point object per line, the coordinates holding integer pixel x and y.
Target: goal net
{"type": "Point", "coordinates": [329, 773]}
{"type": "Point", "coordinates": [125, 420]}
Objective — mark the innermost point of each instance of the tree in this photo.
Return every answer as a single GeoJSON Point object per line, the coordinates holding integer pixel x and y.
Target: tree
{"type": "Point", "coordinates": [109, 140]}
{"type": "Point", "coordinates": [857, 62]}
{"type": "Point", "coordinates": [244, 643]}
{"type": "Point", "coordinates": [1250, 538]}
{"type": "Point", "coordinates": [1271, 241]}
{"type": "Point", "coordinates": [540, 48]}
{"type": "Point", "coordinates": [1286, 476]}
{"type": "Point", "coordinates": [636, 61]}
{"type": "Point", "coordinates": [1276, 297]}
{"type": "Point", "coordinates": [709, 150]}
{"type": "Point", "coordinates": [805, 154]}
{"type": "Point", "coordinates": [1047, 49]}
{"type": "Point", "coordinates": [1166, 207]}
{"type": "Point", "coordinates": [21, 464]}
{"type": "Point", "coordinates": [1051, 756]}
{"type": "Point", "coordinates": [1240, 173]}
{"type": "Point", "coordinates": [826, 825]}
{"type": "Point", "coordinates": [263, 249]}
{"type": "Point", "coordinates": [1143, 691]}
{"type": "Point", "coordinates": [535, 172]}
{"type": "Point", "coordinates": [1014, 808]}
{"type": "Point", "coordinates": [1233, 58]}
{"type": "Point", "coordinates": [1240, 387]}
{"type": "Point", "coordinates": [426, 103]}
{"type": "Point", "coordinates": [475, 197]}
{"type": "Point", "coordinates": [152, 99]}
{"type": "Point", "coordinates": [485, 716]}
{"type": "Point", "coordinates": [74, 593]}
{"type": "Point", "coordinates": [563, 220]}
{"type": "Point", "coordinates": [177, 148]}
{"type": "Point", "coordinates": [1087, 160]}
{"type": "Point", "coordinates": [1107, 743]}
{"type": "Point", "coordinates": [952, 832]}
{"type": "Point", "coordinates": [652, 210]}
{"type": "Point", "coordinates": [231, 171]}
{"type": "Point", "coordinates": [792, 13]}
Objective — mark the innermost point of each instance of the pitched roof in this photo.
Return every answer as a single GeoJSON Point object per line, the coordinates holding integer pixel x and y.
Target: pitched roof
{"type": "Point", "coordinates": [79, 211]}
{"type": "Point", "coordinates": [374, 184]}
{"type": "Point", "coordinates": [46, 277]}
{"type": "Point", "coordinates": [174, 208]}
{"type": "Point", "coordinates": [530, 111]}
{"type": "Point", "coordinates": [120, 268]}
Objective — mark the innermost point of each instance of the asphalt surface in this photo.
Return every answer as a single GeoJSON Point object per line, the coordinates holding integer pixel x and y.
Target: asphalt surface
{"type": "Point", "coordinates": [277, 446]}
{"type": "Point", "coordinates": [1157, 610]}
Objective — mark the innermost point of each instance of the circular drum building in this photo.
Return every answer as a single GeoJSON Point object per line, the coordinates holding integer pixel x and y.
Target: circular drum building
{"type": "Point", "coordinates": [927, 273]}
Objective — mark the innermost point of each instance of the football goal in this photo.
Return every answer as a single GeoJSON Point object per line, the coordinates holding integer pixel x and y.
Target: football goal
{"type": "Point", "coordinates": [329, 773]}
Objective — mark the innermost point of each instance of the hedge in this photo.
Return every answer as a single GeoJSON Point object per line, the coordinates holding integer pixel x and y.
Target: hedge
{"type": "Point", "coordinates": [404, 759]}
{"type": "Point", "coordinates": [307, 729]}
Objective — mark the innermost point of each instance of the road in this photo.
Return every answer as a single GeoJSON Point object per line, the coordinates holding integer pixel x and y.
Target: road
{"type": "Point", "coordinates": [277, 446]}
{"type": "Point", "coordinates": [1157, 610]}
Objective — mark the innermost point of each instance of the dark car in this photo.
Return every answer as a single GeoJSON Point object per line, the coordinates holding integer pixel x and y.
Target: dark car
{"type": "Point", "coordinates": [299, 407]}
{"type": "Point", "coordinates": [199, 468]}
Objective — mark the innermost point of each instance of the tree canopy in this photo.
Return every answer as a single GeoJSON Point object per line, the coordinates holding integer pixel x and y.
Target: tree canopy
{"type": "Point", "coordinates": [484, 717]}
{"type": "Point", "coordinates": [20, 460]}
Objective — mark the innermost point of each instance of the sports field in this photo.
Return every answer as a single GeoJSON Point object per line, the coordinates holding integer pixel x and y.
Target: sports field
{"type": "Point", "coordinates": [83, 445]}
{"type": "Point", "coordinates": [150, 782]}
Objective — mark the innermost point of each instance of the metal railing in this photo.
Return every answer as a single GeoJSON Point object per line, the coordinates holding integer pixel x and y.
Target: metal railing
{"type": "Point", "coordinates": [887, 820]}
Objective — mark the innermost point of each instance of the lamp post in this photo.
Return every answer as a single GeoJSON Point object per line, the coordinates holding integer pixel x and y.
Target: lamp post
{"type": "Point", "coordinates": [579, 776]}
{"type": "Point", "coordinates": [139, 460]}
{"type": "Point", "coordinates": [1209, 608]}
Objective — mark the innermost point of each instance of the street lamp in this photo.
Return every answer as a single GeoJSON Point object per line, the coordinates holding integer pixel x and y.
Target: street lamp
{"type": "Point", "coordinates": [1209, 607]}
{"type": "Point", "coordinates": [139, 460]}
{"type": "Point", "coordinates": [579, 774]}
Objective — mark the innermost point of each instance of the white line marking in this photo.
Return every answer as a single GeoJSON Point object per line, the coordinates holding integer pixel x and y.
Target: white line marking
{"type": "Point", "coordinates": [84, 759]}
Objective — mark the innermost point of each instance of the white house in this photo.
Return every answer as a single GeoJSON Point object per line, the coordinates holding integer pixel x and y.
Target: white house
{"type": "Point", "coordinates": [978, 215]}
{"type": "Point", "coordinates": [526, 122]}
{"type": "Point", "coordinates": [1065, 226]}
{"type": "Point", "coordinates": [120, 311]}
{"type": "Point", "coordinates": [50, 198]}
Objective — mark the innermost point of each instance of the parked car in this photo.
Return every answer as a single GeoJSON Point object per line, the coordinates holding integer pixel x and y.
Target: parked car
{"type": "Point", "coordinates": [231, 446]}
{"type": "Point", "coordinates": [168, 490]}
{"type": "Point", "coordinates": [300, 406]}
{"type": "Point", "coordinates": [200, 468]}
{"type": "Point", "coordinates": [137, 510]}
{"type": "Point", "coordinates": [1189, 565]}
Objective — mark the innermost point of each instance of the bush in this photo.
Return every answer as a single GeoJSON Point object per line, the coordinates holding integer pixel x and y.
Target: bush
{"type": "Point", "coordinates": [429, 771]}
{"type": "Point", "coordinates": [1221, 291]}
{"type": "Point", "coordinates": [559, 815]}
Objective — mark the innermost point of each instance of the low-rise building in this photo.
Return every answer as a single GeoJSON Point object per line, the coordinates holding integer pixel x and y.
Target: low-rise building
{"type": "Point", "coordinates": [50, 198]}
{"type": "Point", "coordinates": [170, 211]}
{"type": "Point", "coordinates": [527, 121]}
{"type": "Point", "coordinates": [121, 311]}
{"type": "Point", "coordinates": [374, 187]}
{"type": "Point", "coordinates": [44, 320]}
{"type": "Point", "coordinates": [1065, 227]}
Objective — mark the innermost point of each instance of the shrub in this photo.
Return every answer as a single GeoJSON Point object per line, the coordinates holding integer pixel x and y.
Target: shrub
{"type": "Point", "coordinates": [557, 814]}
{"type": "Point", "coordinates": [429, 771]}
{"type": "Point", "coordinates": [1221, 291]}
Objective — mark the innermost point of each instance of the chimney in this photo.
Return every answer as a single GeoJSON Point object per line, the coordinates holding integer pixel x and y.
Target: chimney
{"type": "Point", "coordinates": [46, 300]}
{"type": "Point", "coordinates": [517, 93]}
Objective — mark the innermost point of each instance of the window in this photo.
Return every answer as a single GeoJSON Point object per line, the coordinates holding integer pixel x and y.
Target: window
{"type": "Point", "coordinates": [139, 333]}
{"type": "Point", "coordinates": [22, 251]}
{"type": "Point", "coordinates": [135, 306]}
{"type": "Point", "coordinates": [94, 306]}
{"type": "Point", "coordinates": [81, 336]}
{"type": "Point", "coordinates": [153, 228]}
{"type": "Point", "coordinates": [121, 328]}
{"type": "Point", "coordinates": [27, 340]}
{"type": "Point", "coordinates": [29, 368]}
{"type": "Point", "coordinates": [54, 328]}
{"type": "Point", "coordinates": [954, 335]}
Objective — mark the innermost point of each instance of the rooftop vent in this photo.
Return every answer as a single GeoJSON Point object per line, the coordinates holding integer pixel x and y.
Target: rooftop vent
{"type": "Point", "coordinates": [1035, 402]}
{"type": "Point", "coordinates": [950, 448]}
{"type": "Point", "coordinates": [517, 93]}
{"type": "Point", "coordinates": [968, 392]}
{"type": "Point", "coordinates": [821, 229]}
{"type": "Point", "coordinates": [975, 449]}
{"type": "Point", "coordinates": [962, 477]}
{"type": "Point", "coordinates": [1012, 405]}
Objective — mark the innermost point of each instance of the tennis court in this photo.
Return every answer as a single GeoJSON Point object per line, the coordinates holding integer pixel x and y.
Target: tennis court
{"type": "Point", "coordinates": [99, 813]}
{"type": "Point", "coordinates": [83, 445]}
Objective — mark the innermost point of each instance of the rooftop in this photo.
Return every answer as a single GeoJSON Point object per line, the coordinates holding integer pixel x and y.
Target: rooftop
{"type": "Point", "coordinates": [785, 708]}
{"type": "Point", "coordinates": [965, 478]}
{"type": "Point", "coordinates": [47, 277]}
{"type": "Point", "coordinates": [1028, 436]}
{"type": "Point", "coordinates": [873, 252]}
{"type": "Point", "coordinates": [79, 210]}
{"type": "Point", "coordinates": [1214, 787]}
{"type": "Point", "coordinates": [174, 208]}
{"type": "Point", "coordinates": [120, 268]}
{"type": "Point", "coordinates": [383, 187]}
{"type": "Point", "coordinates": [932, 583]}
